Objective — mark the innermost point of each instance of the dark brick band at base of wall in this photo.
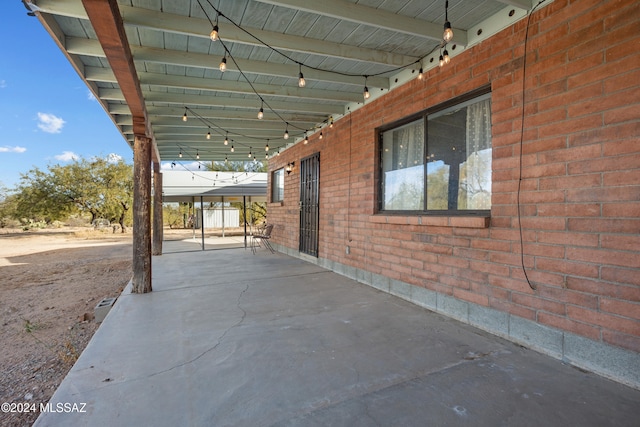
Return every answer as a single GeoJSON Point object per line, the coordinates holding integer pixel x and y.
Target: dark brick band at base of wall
{"type": "Point", "coordinates": [611, 362]}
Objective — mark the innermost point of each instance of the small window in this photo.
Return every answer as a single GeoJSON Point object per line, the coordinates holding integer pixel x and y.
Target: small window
{"type": "Point", "coordinates": [277, 185]}
{"type": "Point", "coordinates": [439, 163]}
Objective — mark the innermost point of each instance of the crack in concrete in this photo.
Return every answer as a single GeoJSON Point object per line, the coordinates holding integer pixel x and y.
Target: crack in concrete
{"type": "Point", "coordinates": [179, 365]}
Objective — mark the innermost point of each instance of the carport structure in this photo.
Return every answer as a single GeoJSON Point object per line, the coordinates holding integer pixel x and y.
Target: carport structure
{"type": "Point", "coordinates": [214, 187]}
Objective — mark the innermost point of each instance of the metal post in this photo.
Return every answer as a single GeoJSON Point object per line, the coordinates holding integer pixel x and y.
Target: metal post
{"type": "Point", "coordinates": [202, 220]}
{"type": "Point", "coordinates": [244, 208]}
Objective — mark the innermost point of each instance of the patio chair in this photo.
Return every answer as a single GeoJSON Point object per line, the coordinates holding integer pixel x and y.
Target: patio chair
{"type": "Point", "coordinates": [263, 237]}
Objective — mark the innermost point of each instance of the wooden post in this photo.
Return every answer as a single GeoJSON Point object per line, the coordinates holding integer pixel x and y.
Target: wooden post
{"type": "Point", "coordinates": [141, 215]}
{"type": "Point", "coordinates": [158, 232]}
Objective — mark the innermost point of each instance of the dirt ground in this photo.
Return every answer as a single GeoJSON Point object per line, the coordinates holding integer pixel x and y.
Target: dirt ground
{"type": "Point", "coordinates": [50, 282]}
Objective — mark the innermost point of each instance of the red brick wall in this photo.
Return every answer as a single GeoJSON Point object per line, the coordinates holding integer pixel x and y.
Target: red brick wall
{"type": "Point", "coordinates": [580, 188]}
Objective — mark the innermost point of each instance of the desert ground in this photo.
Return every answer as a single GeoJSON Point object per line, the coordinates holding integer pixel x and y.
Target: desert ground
{"type": "Point", "coordinates": [50, 282]}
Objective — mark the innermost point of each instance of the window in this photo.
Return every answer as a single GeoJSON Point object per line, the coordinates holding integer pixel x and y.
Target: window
{"type": "Point", "coordinates": [277, 185]}
{"type": "Point", "coordinates": [440, 162]}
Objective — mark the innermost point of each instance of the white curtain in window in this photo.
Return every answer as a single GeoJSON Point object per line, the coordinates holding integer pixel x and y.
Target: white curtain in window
{"type": "Point", "coordinates": [475, 172]}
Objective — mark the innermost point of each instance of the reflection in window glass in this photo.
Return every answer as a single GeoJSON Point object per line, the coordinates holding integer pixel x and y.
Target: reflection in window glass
{"type": "Point", "coordinates": [277, 185]}
{"type": "Point", "coordinates": [457, 150]}
{"type": "Point", "coordinates": [403, 167]}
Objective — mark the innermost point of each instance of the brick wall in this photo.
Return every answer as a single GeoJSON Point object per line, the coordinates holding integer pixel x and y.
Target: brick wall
{"type": "Point", "coordinates": [580, 187]}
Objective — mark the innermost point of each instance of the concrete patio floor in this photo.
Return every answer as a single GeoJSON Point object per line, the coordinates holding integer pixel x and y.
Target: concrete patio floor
{"type": "Point", "coordinates": [228, 338]}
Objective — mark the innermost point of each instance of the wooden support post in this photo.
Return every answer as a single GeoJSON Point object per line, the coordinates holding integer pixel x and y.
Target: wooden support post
{"type": "Point", "coordinates": [158, 232]}
{"type": "Point", "coordinates": [141, 215]}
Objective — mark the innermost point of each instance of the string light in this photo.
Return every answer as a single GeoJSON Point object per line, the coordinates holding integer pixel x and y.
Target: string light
{"type": "Point", "coordinates": [266, 147]}
{"type": "Point", "coordinates": [301, 80]}
{"type": "Point", "coordinates": [286, 132]}
{"type": "Point", "coordinates": [232, 149]}
{"type": "Point", "coordinates": [209, 135]}
{"type": "Point", "coordinates": [366, 93]}
{"type": "Point", "coordinates": [446, 57]}
{"type": "Point", "coordinates": [223, 64]}
{"type": "Point", "coordinates": [420, 74]}
{"type": "Point", "coordinates": [180, 153]}
{"type": "Point", "coordinates": [448, 32]}
{"type": "Point", "coordinates": [261, 112]}
{"type": "Point", "coordinates": [214, 33]}
{"type": "Point", "coordinates": [184, 117]}
{"type": "Point", "coordinates": [441, 60]}
{"type": "Point", "coordinates": [249, 153]}
{"type": "Point", "coordinates": [320, 135]}
{"type": "Point", "coordinates": [226, 139]}
{"type": "Point", "coordinates": [331, 123]}
{"type": "Point", "coordinates": [306, 139]}
{"type": "Point", "coordinates": [197, 155]}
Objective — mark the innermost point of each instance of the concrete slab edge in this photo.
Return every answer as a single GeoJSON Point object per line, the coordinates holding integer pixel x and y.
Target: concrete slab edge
{"type": "Point", "coordinates": [611, 362]}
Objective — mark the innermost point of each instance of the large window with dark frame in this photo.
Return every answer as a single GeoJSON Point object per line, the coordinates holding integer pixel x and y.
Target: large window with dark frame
{"type": "Point", "coordinates": [277, 185]}
{"type": "Point", "coordinates": [439, 162]}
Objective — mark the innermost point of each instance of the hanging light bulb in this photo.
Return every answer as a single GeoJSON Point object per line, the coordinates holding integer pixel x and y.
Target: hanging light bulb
{"type": "Point", "coordinates": [366, 93]}
{"type": "Point", "coordinates": [306, 139]}
{"type": "Point", "coordinates": [226, 140]}
{"type": "Point", "coordinates": [266, 156]}
{"type": "Point", "coordinates": [446, 57]}
{"type": "Point", "coordinates": [197, 155]}
{"type": "Point", "coordinates": [180, 153]}
{"type": "Point", "coordinates": [331, 123]}
{"type": "Point", "coordinates": [420, 74]}
{"type": "Point", "coordinates": [266, 147]}
{"type": "Point", "coordinates": [223, 64]}
{"type": "Point", "coordinates": [448, 32]}
{"type": "Point", "coordinates": [232, 149]}
{"type": "Point", "coordinates": [209, 135]}
{"type": "Point", "coordinates": [214, 33]}
{"type": "Point", "coordinates": [301, 80]}
{"type": "Point", "coordinates": [286, 133]}
{"type": "Point", "coordinates": [320, 134]}
{"type": "Point", "coordinates": [441, 60]}
{"type": "Point", "coordinates": [261, 112]}
{"type": "Point", "coordinates": [249, 153]}
{"type": "Point", "coordinates": [184, 117]}
{"type": "Point", "coordinates": [226, 159]}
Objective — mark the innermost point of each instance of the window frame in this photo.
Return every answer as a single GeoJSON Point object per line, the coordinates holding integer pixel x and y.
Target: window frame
{"type": "Point", "coordinates": [275, 186]}
{"type": "Point", "coordinates": [423, 115]}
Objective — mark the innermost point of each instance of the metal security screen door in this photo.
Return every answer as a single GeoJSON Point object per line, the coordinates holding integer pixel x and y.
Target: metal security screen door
{"type": "Point", "coordinates": [309, 204]}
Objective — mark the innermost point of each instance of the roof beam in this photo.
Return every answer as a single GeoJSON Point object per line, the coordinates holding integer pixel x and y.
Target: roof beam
{"type": "Point", "coordinates": [88, 47]}
{"type": "Point", "coordinates": [107, 23]}
{"type": "Point", "coordinates": [522, 4]}
{"type": "Point", "coordinates": [370, 16]}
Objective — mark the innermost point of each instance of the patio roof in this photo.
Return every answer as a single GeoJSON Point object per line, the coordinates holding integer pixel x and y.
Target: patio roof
{"type": "Point", "coordinates": [187, 186]}
{"type": "Point", "coordinates": [149, 62]}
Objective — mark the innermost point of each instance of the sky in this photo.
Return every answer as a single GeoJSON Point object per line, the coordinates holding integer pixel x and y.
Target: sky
{"type": "Point", "coordinates": [47, 114]}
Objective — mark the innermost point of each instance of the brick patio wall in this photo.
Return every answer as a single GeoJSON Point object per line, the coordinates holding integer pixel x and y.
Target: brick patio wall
{"type": "Point", "coordinates": [580, 188]}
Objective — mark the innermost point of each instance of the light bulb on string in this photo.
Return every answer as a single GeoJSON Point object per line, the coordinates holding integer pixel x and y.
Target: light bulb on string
{"type": "Point", "coordinates": [441, 60]}
{"type": "Point", "coordinates": [261, 112]}
{"type": "Point", "coordinates": [321, 135]}
{"type": "Point", "coordinates": [226, 140]}
{"type": "Point", "coordinates": [184, 116]}
{"type": "Point", "coordinates": [306, 138]}
{"type": "Point", "coordinates": [286, 132]}
{"type": "Point", "coordinates": [197, 154]}
{"type": "Point", "coordinates": [448, 32]}
{"type": "Point", "coordinates": [301, 81]}
{"type": "Point", "coordinates": [180, 153]}
{"type": "Point", "coordinates": [214, 36]}
{"type": "Point", "coordinates": [446, 57]}
{"type": "Point", "coordinates": [232, 149]}
{"type": "Point", "coordinates": [420, 74]}
{"type": "Point", "coordinates": [331, 123]}
{"type": "Point", "coordinates": [366, 93]}
{"type": "Point", "coordinates": [266, 147]}
{"type": "Point", "coordinates": [249, 153]}
{"type": "Point", "coordinates": [209, 135]}
{"type": "Point", "coordinates": [223, 64]}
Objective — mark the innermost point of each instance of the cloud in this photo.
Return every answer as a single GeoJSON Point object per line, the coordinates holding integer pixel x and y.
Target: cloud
{"type": "Point", "coordinates": [91, 96]}
{"type": "Point", "coordinates": [67, 156]}
{"type": "Point", "coordinates": [50, 123]}
{"type": "Point", "coordinates": [16, 149]}
{"type": "Point", "coordinates": [113, 158]}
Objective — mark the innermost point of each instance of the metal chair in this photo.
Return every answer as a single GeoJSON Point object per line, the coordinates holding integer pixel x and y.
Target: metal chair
{"type": "Point", "coordinates": [263, 236]}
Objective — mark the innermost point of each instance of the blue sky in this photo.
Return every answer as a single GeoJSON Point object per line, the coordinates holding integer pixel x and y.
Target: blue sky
{"type": "Point", "coordinates": [47, 115]}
